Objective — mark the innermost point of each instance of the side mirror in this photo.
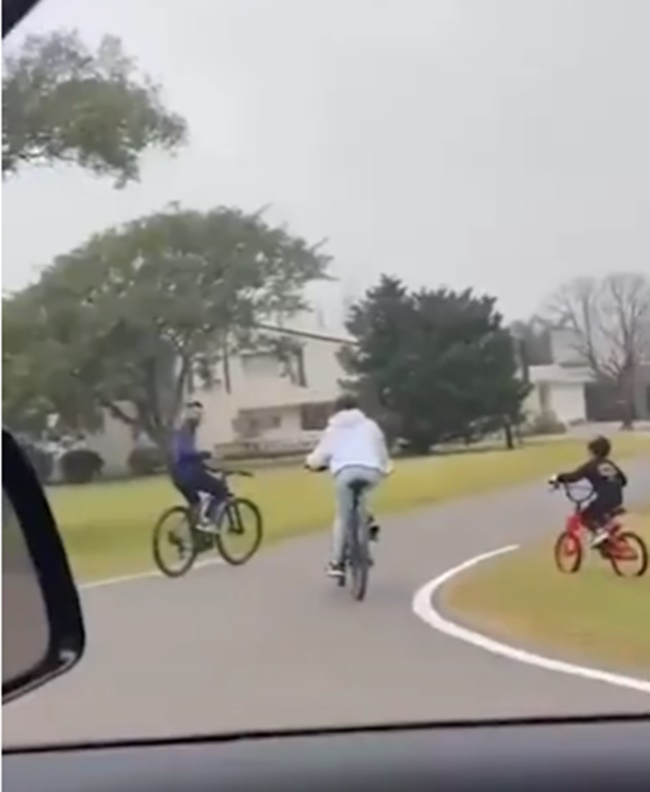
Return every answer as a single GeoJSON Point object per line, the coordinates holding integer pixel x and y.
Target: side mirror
{"type": "Point", "coordinates": [42, 626]}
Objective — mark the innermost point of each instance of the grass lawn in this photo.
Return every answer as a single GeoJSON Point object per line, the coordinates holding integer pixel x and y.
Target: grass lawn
{"type": "Point", "coordinates": [107, 526]}
{"type": "Point", "coordinates": [592, 616]}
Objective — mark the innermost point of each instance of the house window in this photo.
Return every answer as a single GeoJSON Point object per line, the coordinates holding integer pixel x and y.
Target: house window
{"type": "Point", "coordinates": [260, 365]}
{"type": "Point", "coordinates": [314, 417]}
{"type": "Point", "coordinates": [252, 423]}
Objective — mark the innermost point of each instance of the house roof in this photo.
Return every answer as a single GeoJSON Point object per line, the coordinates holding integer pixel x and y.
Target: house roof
{"type": "Point", "coordinates": [338, 338]}
{"type": "Point", "coordinates": [560, 375]}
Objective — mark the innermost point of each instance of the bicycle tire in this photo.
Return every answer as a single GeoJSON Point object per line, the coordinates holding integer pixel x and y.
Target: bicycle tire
{"type": "Point", "coordinates": [568, 546]}
{"type": "Point", "coordinates": [630, 538]}
{"type": "Point", "coordinates": [359, 557]}
{"type": "Point", "coordinates": [229, 516]}
{"type": "Point", "coordinates": [188, 561]}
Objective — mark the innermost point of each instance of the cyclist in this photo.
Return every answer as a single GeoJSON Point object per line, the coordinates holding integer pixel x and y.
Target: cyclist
{"type": "Point", "coordinates": [188, 472]}
{"type": "Point", "coordinates": [353, 448]}
{"type": "Point", "coordinates": [607, 481]}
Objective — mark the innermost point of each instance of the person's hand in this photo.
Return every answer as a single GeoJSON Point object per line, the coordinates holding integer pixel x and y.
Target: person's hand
{"type": "Point", "coordinates": [314, 468]}
{"type": "Point", "coordinates": [553, 482]}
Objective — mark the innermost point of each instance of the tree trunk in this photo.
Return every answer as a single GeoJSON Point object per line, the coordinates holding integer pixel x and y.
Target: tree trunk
{"type": "Point", "coordinates": [627, 401]}
{"type": "Point", "coordinates": [509, 435]}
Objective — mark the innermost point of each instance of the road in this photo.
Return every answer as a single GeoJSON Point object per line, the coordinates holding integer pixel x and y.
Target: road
{"type": "Point", "coordinates": [275, 644]}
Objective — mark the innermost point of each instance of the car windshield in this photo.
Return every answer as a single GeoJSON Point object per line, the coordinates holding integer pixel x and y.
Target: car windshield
{"type": "Point", "coordinates": [389, 259]}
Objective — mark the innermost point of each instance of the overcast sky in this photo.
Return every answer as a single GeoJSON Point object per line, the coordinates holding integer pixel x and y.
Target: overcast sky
{"type": "Point", "coordinates": [499, 144]}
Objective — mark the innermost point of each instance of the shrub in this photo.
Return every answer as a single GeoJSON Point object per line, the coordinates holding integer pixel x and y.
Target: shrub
{"type": "Point", "coordinates": [546, 424]}
{"type": "Point", "coordinates": [146, 461]}
{"type": "Point", "coordinates": [81, 465]}
{"type": "Point", "coordinates": [42, 461]}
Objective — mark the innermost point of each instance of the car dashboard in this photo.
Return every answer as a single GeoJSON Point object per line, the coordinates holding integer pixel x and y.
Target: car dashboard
{"type": "Point", "coordinates": [534, 755]}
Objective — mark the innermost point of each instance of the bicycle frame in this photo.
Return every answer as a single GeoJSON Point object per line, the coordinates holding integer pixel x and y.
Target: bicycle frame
{"type": "Point", "coordinates": [575, 527]}
{"type": "Point", "coordinates": [207, 500]}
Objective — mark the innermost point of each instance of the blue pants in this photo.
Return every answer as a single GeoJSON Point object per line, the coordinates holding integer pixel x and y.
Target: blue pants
{"type": "Point", "coordinates": [191, 483]}
{"type": "Point", "coordinates": [345, 502]}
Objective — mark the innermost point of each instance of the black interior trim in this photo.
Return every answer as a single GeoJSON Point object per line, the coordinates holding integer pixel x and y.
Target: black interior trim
{"type": "Point", "coordinates": [13, 11]}
{"type": "Point", "coordinates": [67, 634]}
{"type": "Point", "coordinates": [535, 758]}
{"type": "Point", "coordinates": [335, 731]}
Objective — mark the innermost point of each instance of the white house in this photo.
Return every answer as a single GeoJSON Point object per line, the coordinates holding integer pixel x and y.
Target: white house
{"type": "Point", "coordinates": [256, 398]}
{"type": "Point", "coordinates": [560, 388]}
{"type": "Point", "coordinates": [265, 398]}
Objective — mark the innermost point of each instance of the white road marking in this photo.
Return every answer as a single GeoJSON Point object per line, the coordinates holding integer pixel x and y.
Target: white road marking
{"type": "Point", "coordinates": [424, 608]}
{"type": "Point", "coordinates": [152, 573]}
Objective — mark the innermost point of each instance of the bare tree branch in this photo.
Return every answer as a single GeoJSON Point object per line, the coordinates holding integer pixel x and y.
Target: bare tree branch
{"type": "Point", "coordinates": [609, 320]}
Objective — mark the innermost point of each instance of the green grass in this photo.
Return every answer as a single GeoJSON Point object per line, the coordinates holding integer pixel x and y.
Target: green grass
{"type": "Point", "coordinates": [107, 527]}
{"type": "Point", "coordinates": [592, 616]}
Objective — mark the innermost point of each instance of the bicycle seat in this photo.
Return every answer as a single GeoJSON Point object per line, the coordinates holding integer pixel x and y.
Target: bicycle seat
{"type": "Point", "coordinates": [358, 486]}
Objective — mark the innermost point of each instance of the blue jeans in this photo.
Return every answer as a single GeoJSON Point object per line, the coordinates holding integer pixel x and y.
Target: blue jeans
{"type": "Point", "coordinates": [194, 481]}
{"type": "Point", "coordinates": [345, 502]}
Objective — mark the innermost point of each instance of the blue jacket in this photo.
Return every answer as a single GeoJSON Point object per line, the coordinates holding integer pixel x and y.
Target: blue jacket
{"type": "Point", "coordinates": [186, 458]}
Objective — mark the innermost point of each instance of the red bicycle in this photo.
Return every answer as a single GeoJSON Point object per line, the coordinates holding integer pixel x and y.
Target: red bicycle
{"type": "Point", "coordinates": [625, 550]}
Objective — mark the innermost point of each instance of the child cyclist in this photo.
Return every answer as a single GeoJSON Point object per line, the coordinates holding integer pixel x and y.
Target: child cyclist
{"type": "Point", "coordinates": [353, 447]}
{"type": "Point", "coordinates": [607, 481]}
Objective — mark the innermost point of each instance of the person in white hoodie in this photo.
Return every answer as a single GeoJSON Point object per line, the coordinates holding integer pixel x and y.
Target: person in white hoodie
{"type": "Point", "coordinates": [353, 447]}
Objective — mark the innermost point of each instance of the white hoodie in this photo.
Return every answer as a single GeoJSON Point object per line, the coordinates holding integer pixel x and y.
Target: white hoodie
{"type": "Point", "coordinates": [351, 438]}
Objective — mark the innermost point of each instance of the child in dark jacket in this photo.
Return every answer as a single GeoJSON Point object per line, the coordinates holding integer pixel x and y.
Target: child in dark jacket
{"type": "Point", "coordinates": [607, 481]}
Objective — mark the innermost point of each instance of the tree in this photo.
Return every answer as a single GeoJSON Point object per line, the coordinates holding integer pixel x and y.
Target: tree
{"type": "Point", "coordinates": [63, 103]}
{"type": "Point", "coordinates": [439, 364]}
{"type": "Point", "coordinates": [127, 320]}
{"type": "Point", "coordinates": [609, 321]}
{"type": "Point", "coordinates": [534, 337]}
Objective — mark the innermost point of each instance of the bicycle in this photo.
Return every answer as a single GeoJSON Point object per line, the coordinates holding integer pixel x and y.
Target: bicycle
{"type": "Point", "coordinates": [356, 552]}
{"type": "Point", "coordinates": [190, 541]}
{"type": "Point", "coordinates": [619, 547]}
{"type": "Point", "coordinates": [356, 548]}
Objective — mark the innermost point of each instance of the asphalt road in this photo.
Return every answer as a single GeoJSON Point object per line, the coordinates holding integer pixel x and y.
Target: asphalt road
{"type": "Point", "coordinates": [275, 644]}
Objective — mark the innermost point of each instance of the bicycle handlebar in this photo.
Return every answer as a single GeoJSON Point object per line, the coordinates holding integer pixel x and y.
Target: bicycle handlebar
{"type": "Point", "coordinates": [573, 489]}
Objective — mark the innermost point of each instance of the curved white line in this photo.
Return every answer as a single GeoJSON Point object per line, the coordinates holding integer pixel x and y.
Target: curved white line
{"type": "Point", "coordinates": [424, 608]}
{"type": "Point", "coordinates": [151, 573]}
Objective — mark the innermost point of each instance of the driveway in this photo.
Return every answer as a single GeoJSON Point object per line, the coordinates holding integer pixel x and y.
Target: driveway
{"type": "Point", "coordinates": [275, 644]}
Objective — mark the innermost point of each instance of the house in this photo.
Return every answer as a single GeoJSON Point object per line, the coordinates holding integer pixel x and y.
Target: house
{"type": "Point", "coordinates": [559, 387]}
{"type": "Point", "coordinates": [273, 398]}
{"type": "Point", "coordinates": [567, 387]}
{"type": "Point", "coordinates": [279, 394]}
{"type": "Point", "coordinates": [559, 391]}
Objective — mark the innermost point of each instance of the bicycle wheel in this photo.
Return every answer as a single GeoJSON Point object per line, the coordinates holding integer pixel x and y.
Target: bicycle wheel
{"type": "Point", "coordinates": [628, 554]}
{"type": "Point", "coordinates": [174, 530]}
{"type": "Point", "coordinates": [568, 553]}
{"type": "Point", "coordinates": [359, 557]}
{"type": "Point", "coordinates": [239, 531]}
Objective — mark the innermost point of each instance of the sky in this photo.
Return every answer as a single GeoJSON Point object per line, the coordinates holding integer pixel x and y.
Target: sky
{"type": "Point", "coordinates": [497, 144]}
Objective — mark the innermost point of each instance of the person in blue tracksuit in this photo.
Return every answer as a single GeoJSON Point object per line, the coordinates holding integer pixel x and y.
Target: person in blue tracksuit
{"type": "Point", "coordinates": [188, 471]}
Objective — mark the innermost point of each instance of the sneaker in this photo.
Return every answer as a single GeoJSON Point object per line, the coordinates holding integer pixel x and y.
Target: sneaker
{"type": "Point", "coordinates": [601, 535]}
{"type": "Point", "coordinates": [205, 526]}
{"type": "Point", "coordinates": [334, 570]}
{"type": "Point", "coordinates": [373, 532]}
